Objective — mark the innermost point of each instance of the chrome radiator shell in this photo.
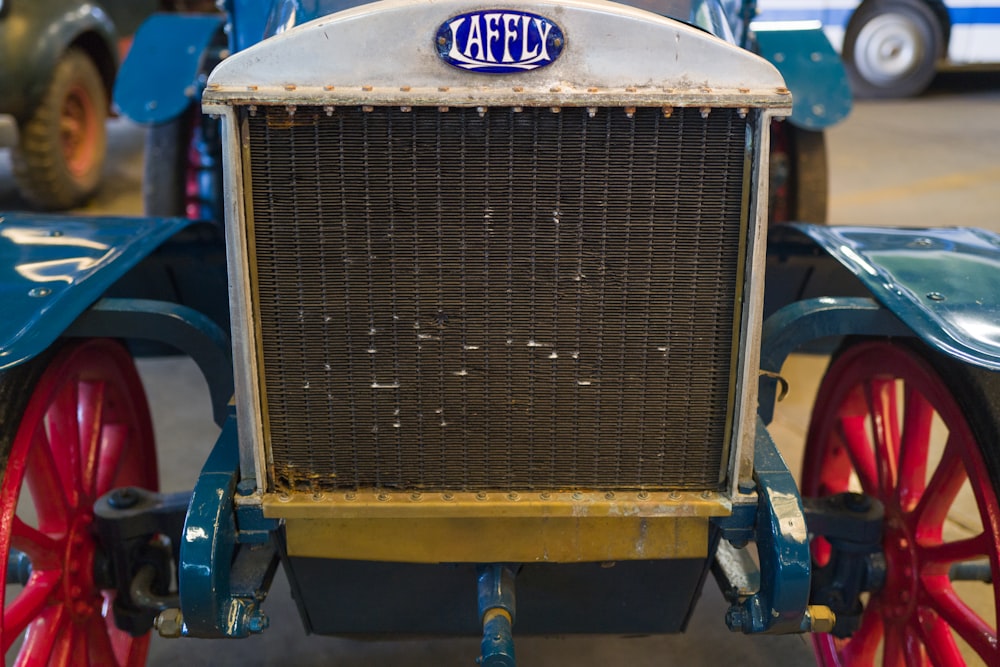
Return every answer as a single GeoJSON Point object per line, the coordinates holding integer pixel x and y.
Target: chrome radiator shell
{"type": "Point", "coordinates": [707, 77]}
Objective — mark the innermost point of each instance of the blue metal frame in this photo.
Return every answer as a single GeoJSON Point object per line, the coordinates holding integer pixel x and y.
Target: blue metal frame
{"type": "Point", "coordinates": [223, 578]}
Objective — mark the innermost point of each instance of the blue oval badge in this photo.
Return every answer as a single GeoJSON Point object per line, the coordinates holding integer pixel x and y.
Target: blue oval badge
{"type": "Point", "coordinates": [499, 41]}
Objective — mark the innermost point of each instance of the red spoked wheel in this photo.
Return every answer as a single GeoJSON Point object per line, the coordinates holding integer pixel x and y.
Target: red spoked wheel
{"type": "Point", "coordinates": [903, 425]}
{"type": "Point", "coordinates": [75, 426]}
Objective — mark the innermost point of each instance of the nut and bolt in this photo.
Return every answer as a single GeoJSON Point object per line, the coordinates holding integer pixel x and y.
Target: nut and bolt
{"type": "Point", "coordinates": [169, 623]}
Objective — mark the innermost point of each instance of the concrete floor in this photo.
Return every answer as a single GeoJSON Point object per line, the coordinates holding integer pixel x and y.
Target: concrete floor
{"type": "Point", "coordinates": [930, 161]}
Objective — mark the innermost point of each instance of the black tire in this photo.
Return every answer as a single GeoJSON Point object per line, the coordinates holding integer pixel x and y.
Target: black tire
{"type": "Point", "coordinates": [182, 173]}
{"type": "Point", "coordinates": [60, 154]}
{"type": "Point", "coordinates": [798, 189]}
{"type": "Point", "coordinates": [892, 47]}
{"type": "Point", "coordinates": [164, 179]}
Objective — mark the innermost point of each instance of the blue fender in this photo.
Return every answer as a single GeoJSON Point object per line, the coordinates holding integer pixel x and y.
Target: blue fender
{"type": "Point", "coordinates": [52, 268]}
{"type": "Point", "coordinates": [942, 283]}
{"type": "Point", "coordinates": [821, 94]}
{"type": "Point", "coordinates": [160, 77]}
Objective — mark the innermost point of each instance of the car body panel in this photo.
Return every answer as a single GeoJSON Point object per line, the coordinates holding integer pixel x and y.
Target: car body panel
{"type": "Point", "coordinates": [52, 268]}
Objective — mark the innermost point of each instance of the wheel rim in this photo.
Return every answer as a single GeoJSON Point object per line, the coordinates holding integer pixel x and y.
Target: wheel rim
{"type": "Point", "coordinates": [85, 430]}
{"type": "Point", "coordinates": [888, 48]}
{"type": "Point", "coordinates": [866, 436]}
{"type": "Point", "coordinates": [78, 130]}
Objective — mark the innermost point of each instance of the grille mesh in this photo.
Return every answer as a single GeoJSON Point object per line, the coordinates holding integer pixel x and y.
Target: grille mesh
{"type": "Point", "coordinates": [528, 300]}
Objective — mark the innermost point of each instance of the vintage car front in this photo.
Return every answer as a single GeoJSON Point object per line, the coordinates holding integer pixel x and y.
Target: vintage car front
{"type": "Point", "coordinates": [496, 300]}
{"type": "Point", "coordinates": [496, 279]}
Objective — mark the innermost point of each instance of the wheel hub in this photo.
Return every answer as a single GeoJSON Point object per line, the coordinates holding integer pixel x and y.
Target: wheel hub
{"type": "Point", "coordinates": [900, 593]}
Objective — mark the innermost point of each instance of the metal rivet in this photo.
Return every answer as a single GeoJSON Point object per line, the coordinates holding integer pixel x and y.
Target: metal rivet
{"type": "Point", "coordinates": [544, 495]}
{"type": "Point", "coordinates": [513, 495]}
{"type": "Point", "coordinates": [555, 89]}
{"type": "Point", "coordinates": [283, 497]}
{"type": "Point", "coordinates": [555, 109]}
{"type": "Point", "coordinates": [367, 89]}
{"type": "Point", "coordinates": [317, 496]}
{"type": "Point", "coordinates": [517, 109]}
{"type": "Point", "coordinates": [630, 89]}
{"type": "Point", "coordinates": [674, 495]}
{"type": "Point", "coordinates": [443, 89]}
{"type": "Point", "coordinates": [416, 495]}
{"type": "Point", "coordinates": [782, 91]}
{"type": "Point", "coordinates": [591, 111]}
{"type": "Point", "coordinates": [448, 496]}
{"type": "Point", "coordinates": [610, 495]}
{"type": "Point", "coordinates": [251, 87]}
{"type": "Point", "coordinates": [668, 112]}
{"type": "Point", "coordinates": [406, 109]}
{"type": "Point", "coordinates": [39, 291]}
{"type": "Point", "coordinates": [55, 233]}
{"type": "Point", "coordinates": [705, 112]}
{"type": "Point", "coordinates": [290, 109]}
{"type": "Point", "coordinates": [405, 89]}
{"type": "Point", "coordinates": [592, 90]}
{"type": "Point", "coordinates": [643, 495]}
{"type": "Point", "coordinates": [742, 112]}
{"type": "Point", "coordinates": [707, 494]}
{"type": "Point", "coordinates": [383, 497]}
{"type": "Point", "coordinates": [481, 111]}
{"type": "Point", "coordinates": [442, 40]}
{"type": "Point", "coordinates": [443, 109]}
{"type": "Point", "coordinates": [518, 89]}
{"type": "Point", "coordinates": [350, 495]}
{"type": "Point", "coordinates": [328, 88]}
{"type": "Point", "coordinates": [577, 496]}
{"type": "Point", "coordinates": [329, 110]}
{"type": "Point", "coordinates": [481, 495]}
{"type": "Point", "coordinates": [630, 112]}
{"type": "Point", "coordinates": [289, 86]}
{"type": "Point", "coordinates": [935, 296]}
{"type": "Point", "coordinates": [744, 90]}
{"type": "Point", "coordinates": [367, 108]}
{"type": "Point", "coordinates": [557, 41]}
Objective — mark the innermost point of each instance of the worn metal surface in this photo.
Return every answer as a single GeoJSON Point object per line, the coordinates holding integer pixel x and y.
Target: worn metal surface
{"type": "Point", "coordinates": [522, 300]}
{"type": "Point", "coordinates": [625, 55]}
{"type": "Point", "coordinates": [508, 539]}
{"type": "Point", "coordinates": [942, 282]}
{"type": "Point", "coordinates": [52, 268]}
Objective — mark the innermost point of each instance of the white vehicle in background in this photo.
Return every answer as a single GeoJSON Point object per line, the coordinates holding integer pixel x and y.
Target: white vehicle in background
{"type": "Point", "coordinates": [892, 48]}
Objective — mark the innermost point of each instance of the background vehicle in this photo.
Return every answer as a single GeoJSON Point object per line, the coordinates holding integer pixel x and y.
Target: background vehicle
{"type": "Point", "coordinates": [58, 60]}
{"type": "Point", "coordinates": [183, 169]}
{"type": "Point", "coordinates": [892, 48]}
{"type": "Point", "coordinates": [395, 254]}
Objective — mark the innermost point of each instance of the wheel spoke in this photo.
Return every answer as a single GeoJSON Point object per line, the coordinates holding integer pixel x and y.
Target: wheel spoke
{"type": "Point", "coordinates": [91, 416]}
{"type": "Point", "coordinates": [881, 396]}
{"type": "Point", "coordinates": [45, 552]}
{"type": "Point", "coordinates": [47, 633]}
{"type": "Point", "coordinates": [861, 650]}
{"type": "Point", "coordinates": [974, 630]}
{"type": "Point", "coordinates": [914, 448]}
{"type": "Point", "coordinates": [98, 642]}
{"type": "Point", "coordinates": [931, 511]}
{"type": "Point", "coordinates": [62, 427]}
{"type": "Point", "coordinates": [29, 605]}
{"type": "Point", "coordinates": [854, 432]}
{"type": "Point", "coordinates": [894, 647]}
{"type": "Point", "coordinates": [113, 439]}
{"type": "Point", "coordinates": [45, 483]}
{"type": "Point", "coordinates": [937, 638]}
{"type": "Point", "coordinates": [937, 558]}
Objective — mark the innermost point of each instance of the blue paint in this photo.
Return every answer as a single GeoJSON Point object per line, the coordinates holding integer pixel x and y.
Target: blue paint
{"type": "Point", "coordinates": [840, 17]}
{"type": "Point", "coordinates": [52, 268]}
{"type": "Point", "coordinates": [501, 41]}
{"type": "Point", "coordinates": [160, 78]}
{"type": "Point", "coordinates": [941, 282]}
{"type": "Point", "coordinates": [821, 94]}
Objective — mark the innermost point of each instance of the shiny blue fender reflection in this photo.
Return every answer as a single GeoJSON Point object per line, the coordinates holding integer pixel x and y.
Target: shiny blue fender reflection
{"type": "Point", "coordinates": [52, 268]}
{"type": "Point", "coordinates": [943, 283]}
